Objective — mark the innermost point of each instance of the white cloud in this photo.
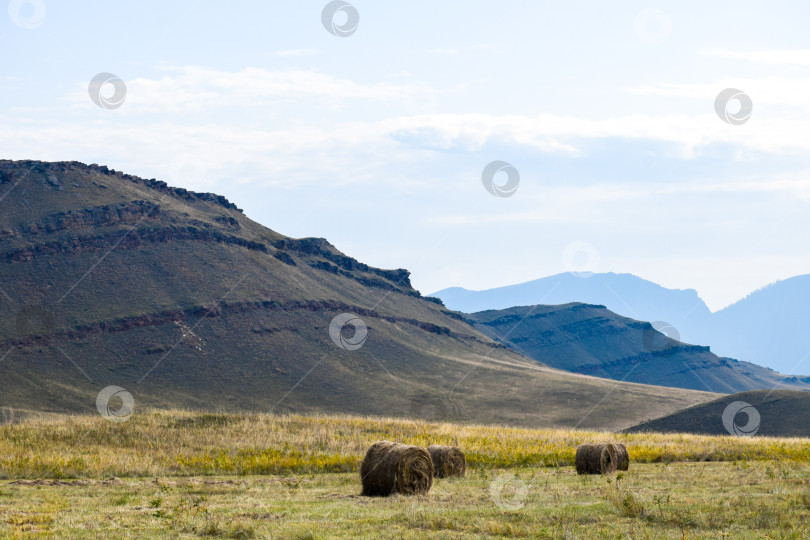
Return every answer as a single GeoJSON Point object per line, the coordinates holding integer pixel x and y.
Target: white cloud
{"type": "Point", "coordinates": [212, 94]}
{"type": "Point", "coordinates": [454, 51]}
{"type": "Point", "coordinates": [374, 151]}
{"type": "Point", "coordinates": [313, 152]}
{"type": "Point", "coordinates": [489, 219]}
{"type": "Point", "coordinates": [297, 52]}
{"type": "Point", "coordinates": [797, 57]}
{"type": "Point", "coordinates": [553, 133]}
{"type": "Point", "coordinates": [784, 92]}
{"type": "Point", "coordinates": [196, 89]}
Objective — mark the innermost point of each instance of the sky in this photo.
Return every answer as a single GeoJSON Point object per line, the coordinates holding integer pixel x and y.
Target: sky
{"type": "Point", "coordinates": [376, 137]}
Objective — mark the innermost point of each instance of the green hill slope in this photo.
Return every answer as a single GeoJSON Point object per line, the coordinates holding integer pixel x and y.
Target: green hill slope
{"type": "Point", "coordinates": [592, 340]}
{"type": "Point", "coordinates": [110, 279]}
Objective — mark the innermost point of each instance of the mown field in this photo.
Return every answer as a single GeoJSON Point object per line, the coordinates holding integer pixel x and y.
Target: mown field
{"type": "Point", "coordinates": [260, 476]}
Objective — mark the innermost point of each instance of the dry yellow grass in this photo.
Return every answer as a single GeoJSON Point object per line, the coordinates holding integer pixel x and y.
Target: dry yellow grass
{"type": "Point", "coordinates": [178, 443]}
{"type": "Point", "coordinates": [680, 500]}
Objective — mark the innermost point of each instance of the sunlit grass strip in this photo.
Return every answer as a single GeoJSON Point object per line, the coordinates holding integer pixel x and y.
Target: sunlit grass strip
{"type": "Point", "coordinates": [182, 443]}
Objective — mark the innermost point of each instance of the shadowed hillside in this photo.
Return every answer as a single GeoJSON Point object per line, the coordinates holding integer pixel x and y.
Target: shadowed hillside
{"type": "Point", "coordinates": [781, 413]}
{"type": "Point", "coordinates": [592, 340]}
{"type": "Point", "coordinates": [177, 297]}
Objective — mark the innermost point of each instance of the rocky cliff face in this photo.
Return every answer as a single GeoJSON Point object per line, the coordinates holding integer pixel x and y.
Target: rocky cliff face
{"type": "Point", "coordinates": [150, 224]}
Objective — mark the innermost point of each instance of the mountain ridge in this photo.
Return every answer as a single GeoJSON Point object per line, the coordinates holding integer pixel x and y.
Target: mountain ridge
{"type": "Point", "coordinates": [764, 328]}
{"type": "Point", "coordinates": [592, 340]}
{"type": "Point", "coordinates": [182, 300]}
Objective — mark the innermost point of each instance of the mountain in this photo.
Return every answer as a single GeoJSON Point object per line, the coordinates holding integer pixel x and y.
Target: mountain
{"type": "Point", "coordinates": [593, 340]}
{"type": "Point", "coordinates": [107, 279]}
{"type": "Point", "coordinates": [766, 328]}
{"type": "Point", "coordinates": [781, 413]}
{"type": "Point", "coordinates": [625, 294]}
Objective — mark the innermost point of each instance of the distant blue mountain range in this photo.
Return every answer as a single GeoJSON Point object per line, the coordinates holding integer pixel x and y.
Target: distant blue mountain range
{"type": "Point", "coordinates": [770, 327]}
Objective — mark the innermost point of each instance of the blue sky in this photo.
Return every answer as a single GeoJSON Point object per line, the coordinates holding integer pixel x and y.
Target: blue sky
{"type": "Point", "coordinates": [377, 140]}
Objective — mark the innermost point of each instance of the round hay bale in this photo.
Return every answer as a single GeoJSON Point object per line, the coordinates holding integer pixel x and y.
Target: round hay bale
{"type": "Point", "coordinates": [447, 461]}
{"type": "Point", "coordinates": [622, 457]}
{"type": "Point", "coordinates": [596, 459]}
{"type": "Point", "coordinates": [396, 468]}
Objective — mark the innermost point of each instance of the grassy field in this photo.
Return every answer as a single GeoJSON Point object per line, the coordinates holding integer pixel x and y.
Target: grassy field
{"type": "Point", "coordinates": [242, 476]}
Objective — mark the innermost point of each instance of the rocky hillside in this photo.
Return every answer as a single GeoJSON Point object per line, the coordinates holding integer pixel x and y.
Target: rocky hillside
{"type": "Point", "coordinates": [592, 340]}
{"type": "Point", "coordinates": [183, 301]}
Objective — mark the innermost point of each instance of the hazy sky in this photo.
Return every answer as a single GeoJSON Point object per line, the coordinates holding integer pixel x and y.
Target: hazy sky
{"type": "Point", "coordinates": [377, 140]}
